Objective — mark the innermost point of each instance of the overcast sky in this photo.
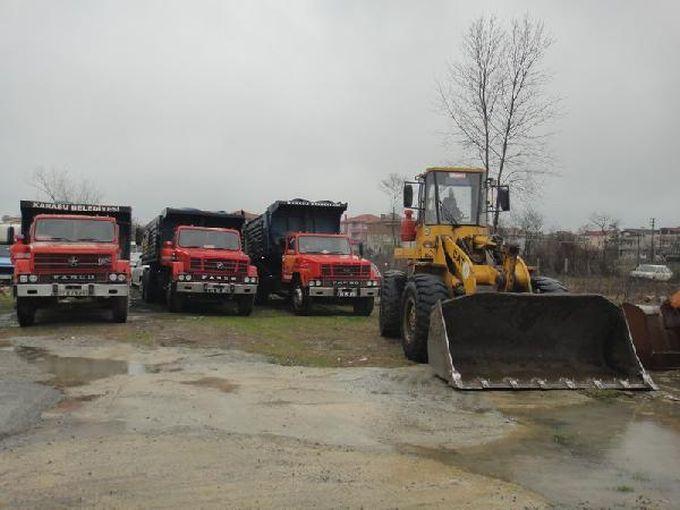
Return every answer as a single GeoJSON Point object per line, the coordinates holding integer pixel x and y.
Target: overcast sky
{"type": "Point", "coordinates": [230, 105]}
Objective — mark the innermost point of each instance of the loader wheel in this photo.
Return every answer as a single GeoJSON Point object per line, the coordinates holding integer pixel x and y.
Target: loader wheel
{"type": "Point", "coordinates": [421, 293]}
{"type": "Point", "coordinates": [545, 285]}
{"type": "Point", "coordinates": [25, 312]}
{"type": "Point", "coordinates": [363, 306]}
{"type": "Point", "coordinates": [389, 319]}
{"type": "Point", "coordinates": [119, 308]}
{"type": "Point", "coordinates": [302, 303]}
{"type": "Point", "coordinates": [245, 305]}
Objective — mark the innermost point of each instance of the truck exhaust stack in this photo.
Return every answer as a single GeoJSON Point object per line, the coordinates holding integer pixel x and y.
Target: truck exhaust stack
{"type": "Point", "coordinates": [533, 341]}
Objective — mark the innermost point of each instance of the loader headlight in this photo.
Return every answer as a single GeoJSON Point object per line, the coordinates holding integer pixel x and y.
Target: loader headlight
{"type": "Point", "coordinates": [113, 277]}
{"type": "Point", "coordinates": [23, 278]}
{"type": "Point", "coordinates": [33, 278]}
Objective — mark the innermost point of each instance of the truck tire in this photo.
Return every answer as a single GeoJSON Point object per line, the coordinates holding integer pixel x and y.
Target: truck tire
{"type": "Point", "coordinates": [174, 299]}
{"type": "Point", "coordinates": [301, 302]}
{"type": "Point", "coordinates": [545, 285]}
{"type": "Point", "coordinates": [389, 318]}
{"type": "Point", "coordinates": [25, 312]}
{"type": "Point", "coordinates": [245, 305]}
{"type": "Point", "coordinates": [421, 293]}
{"type": "Point", "coordinates": [119, 308]}
{"type": "Point", "coordinates": [363, 306]}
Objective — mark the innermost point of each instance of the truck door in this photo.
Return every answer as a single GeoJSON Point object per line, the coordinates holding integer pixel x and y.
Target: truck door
{"type": "Point", "coordinates": [288, 261]}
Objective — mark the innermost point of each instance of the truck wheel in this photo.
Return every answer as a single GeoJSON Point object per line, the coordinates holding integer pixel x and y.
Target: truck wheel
{"type": "Point", "coordinates": [119, 308]}
{"type": "Point", "coordinates": [421, 293]}
{"type": "Point", "coordinates": [25, 312]}
{"type": "Point", "coordinates": [245, 305]}
{"type": "Point", "coordinates": [302, 303]}
{"type": "Point", "coordinates": [389, 318]}
{"type": "Point", "coordinates": [262, 295]}
{"type": "Point", "coordinates": [174, 300]}
{"type": "Point", "coordinates": [363, 306]}
{"type": "Point", "coordinates": [545, 285]}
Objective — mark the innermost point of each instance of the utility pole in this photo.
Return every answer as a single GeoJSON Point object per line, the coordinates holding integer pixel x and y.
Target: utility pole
{"type": "Point", "coordinates": [652, 223]}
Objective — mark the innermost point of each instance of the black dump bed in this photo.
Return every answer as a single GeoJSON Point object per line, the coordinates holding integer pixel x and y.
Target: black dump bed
{"type": "Point", "coordinates": [264, 235]}
{"type": "Point", "coordinates": [122, 214]}
{"type": "Point", "coordinates": [162, 228]}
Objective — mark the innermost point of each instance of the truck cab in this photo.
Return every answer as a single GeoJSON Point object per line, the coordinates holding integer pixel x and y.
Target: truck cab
{"type": "Point", "coordinates": [300, 254]}
{"type": "Point", "coordinates": [191, 258]}
{"type": "Point", "coordinates": [71, 257]}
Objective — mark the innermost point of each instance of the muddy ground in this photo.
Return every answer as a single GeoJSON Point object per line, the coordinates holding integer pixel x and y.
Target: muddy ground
{"type": "Point", "coordinates": [207, 410]}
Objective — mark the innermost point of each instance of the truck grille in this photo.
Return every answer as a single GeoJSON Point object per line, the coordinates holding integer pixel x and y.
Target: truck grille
{"type": "Point", "coordinates": [218, 266]}
{"type": "Point", "coordinates": [346, 272]}
{"type": "Point", "coordinates": [71, 262]}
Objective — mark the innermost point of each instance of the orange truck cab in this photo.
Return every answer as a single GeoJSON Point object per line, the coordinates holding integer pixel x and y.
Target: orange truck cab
{"type": "Point", "coordinates": [300, 254]}
{"type": "Point", "coordinates": [71, 252]}
{"type": "Point", "coordinates": [195, 255]}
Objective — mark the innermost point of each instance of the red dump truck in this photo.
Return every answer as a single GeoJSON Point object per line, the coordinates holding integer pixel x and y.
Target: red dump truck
{"type": "Point", "coordinates": [71, 253]}
{"type": "Point", "coordinates": [300, 253]}
{"type": "Point", "coordinates": [195, 255]}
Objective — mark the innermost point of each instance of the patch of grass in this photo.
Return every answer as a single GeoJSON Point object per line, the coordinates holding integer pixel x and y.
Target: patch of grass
{"type": "Point", "coordinates": [6, 301]}
{"type": "Point", "coordinates": [624, 488]}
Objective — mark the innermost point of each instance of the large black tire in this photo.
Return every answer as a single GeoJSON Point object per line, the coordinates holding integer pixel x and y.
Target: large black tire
{"type": "Point", "coordinates": [300, 300]}
{"type": "Point", "coordinates": [25, 312]}
{"type": "Point", "coordinates": [174, 299]}
{"type": "Point", "coordinates": [363, 306]}
{"type": "Point", "coordinates": [119, 308]}
{"type": "Point", "coordinates": [245, 304]}
{"type": "Point", "coordinates": [389, 319]}
{"type": "Point", "coordinates": [545, 285]}
{"type": "Point", "coordinates": [421, 293]}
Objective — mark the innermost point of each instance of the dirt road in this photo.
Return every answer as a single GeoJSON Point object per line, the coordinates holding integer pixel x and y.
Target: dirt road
{"type": "Point", "coordinates": [216, 412]}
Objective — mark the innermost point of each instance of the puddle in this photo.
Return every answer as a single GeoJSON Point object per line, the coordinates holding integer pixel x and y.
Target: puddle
{"type": "Point", "coordinates": [217, 383]}
{"type": "Point", "coordinates": [596, 455]}
{"type": "Point", "coordinates": [75, 371]}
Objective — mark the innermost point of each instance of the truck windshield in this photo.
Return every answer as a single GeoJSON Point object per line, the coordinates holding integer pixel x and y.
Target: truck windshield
{"type": "Point", "coordinates": [325, 245]}
{"type": "Point", "coordinates": [452, 197]}
{"type": "Point", "coordinates": [74, 230]}
{"type": "Point", "coordinates": [211, 239]}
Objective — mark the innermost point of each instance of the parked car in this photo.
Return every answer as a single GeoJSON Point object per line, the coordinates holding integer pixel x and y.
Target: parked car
{"type": "Point", "coordinates": [652, 272]}
{"type": "Point", "coordinates": [6, 268]}
{"type": "Point", "coordinates": [137, 268]}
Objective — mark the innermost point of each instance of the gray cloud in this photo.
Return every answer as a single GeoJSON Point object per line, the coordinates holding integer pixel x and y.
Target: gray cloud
{"type": "Point", "coordinates": [232, 105]}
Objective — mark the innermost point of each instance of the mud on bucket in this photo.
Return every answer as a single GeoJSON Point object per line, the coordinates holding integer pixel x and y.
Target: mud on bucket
{"type": "Point", "coordinates": [533, 341]}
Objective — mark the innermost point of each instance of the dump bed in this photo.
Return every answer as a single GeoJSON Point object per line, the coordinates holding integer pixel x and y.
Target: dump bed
{"type": "Point", "coordinates": [121, 213]}
{"type": "Point", "coordinates": [162, 227]}
{"type": "Point", "coordinates": [264, 235]}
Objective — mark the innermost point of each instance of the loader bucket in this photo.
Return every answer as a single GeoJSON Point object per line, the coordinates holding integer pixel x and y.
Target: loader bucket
{"type": "Point", "coordinates": [533, 341]}
{"type": "Point", "coordinates": [656, 334]}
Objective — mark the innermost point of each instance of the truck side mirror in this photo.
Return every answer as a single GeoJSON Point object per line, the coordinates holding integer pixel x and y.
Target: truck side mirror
{"type": "Point", "coordinates": [503, 198]}
{"type": "Point", "coordinates": [10, 235]}
{"type": "Point", "coordinates": [408, 195]}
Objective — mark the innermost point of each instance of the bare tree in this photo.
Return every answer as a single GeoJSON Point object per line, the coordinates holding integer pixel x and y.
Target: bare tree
{"type": "Point", "coordinates": [608, 227]}
{"type": "Point", "coordinates": [392, 186]}
{"type": "Point", "coordinates": [495, 98]}
{"type": "Point", "coordinates": [530, 222]}
{"type": "Point", "coordinates": [58, 185]}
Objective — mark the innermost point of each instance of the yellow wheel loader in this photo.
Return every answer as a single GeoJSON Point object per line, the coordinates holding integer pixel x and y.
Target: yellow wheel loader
{"type": "Point", "coordinates": [470, 306]}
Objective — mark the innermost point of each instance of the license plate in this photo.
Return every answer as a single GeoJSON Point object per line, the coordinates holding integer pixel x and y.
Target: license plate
{"type": "Point", "coordinates": [218, 289]}
{"type": "Point", "coordinates": [75, 292]}
{"type": "Point", "coordinates": [347, 292]}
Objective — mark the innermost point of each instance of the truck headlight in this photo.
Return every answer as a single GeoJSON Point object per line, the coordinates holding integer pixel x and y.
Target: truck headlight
{"type": "Point", "coordinates": [181, 278]}
{"type": "Point", "coordinates": [121, 277]}
{"type": "Point", "coordinates": [23, 278]}
{"type": "Point", "coordinates": [187, 277]}
{"type": "Point", "coordinates": [33, 278]}
{"type": "Point", "coordinates": [113, 277]}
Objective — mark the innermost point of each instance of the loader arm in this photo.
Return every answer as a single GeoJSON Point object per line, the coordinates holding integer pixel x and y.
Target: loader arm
{"type": "Point", "coordinates": [459, 266]}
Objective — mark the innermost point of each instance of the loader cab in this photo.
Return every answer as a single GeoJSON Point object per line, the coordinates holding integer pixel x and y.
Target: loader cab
{"type": "Point", "coordinates": [449, 196]}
